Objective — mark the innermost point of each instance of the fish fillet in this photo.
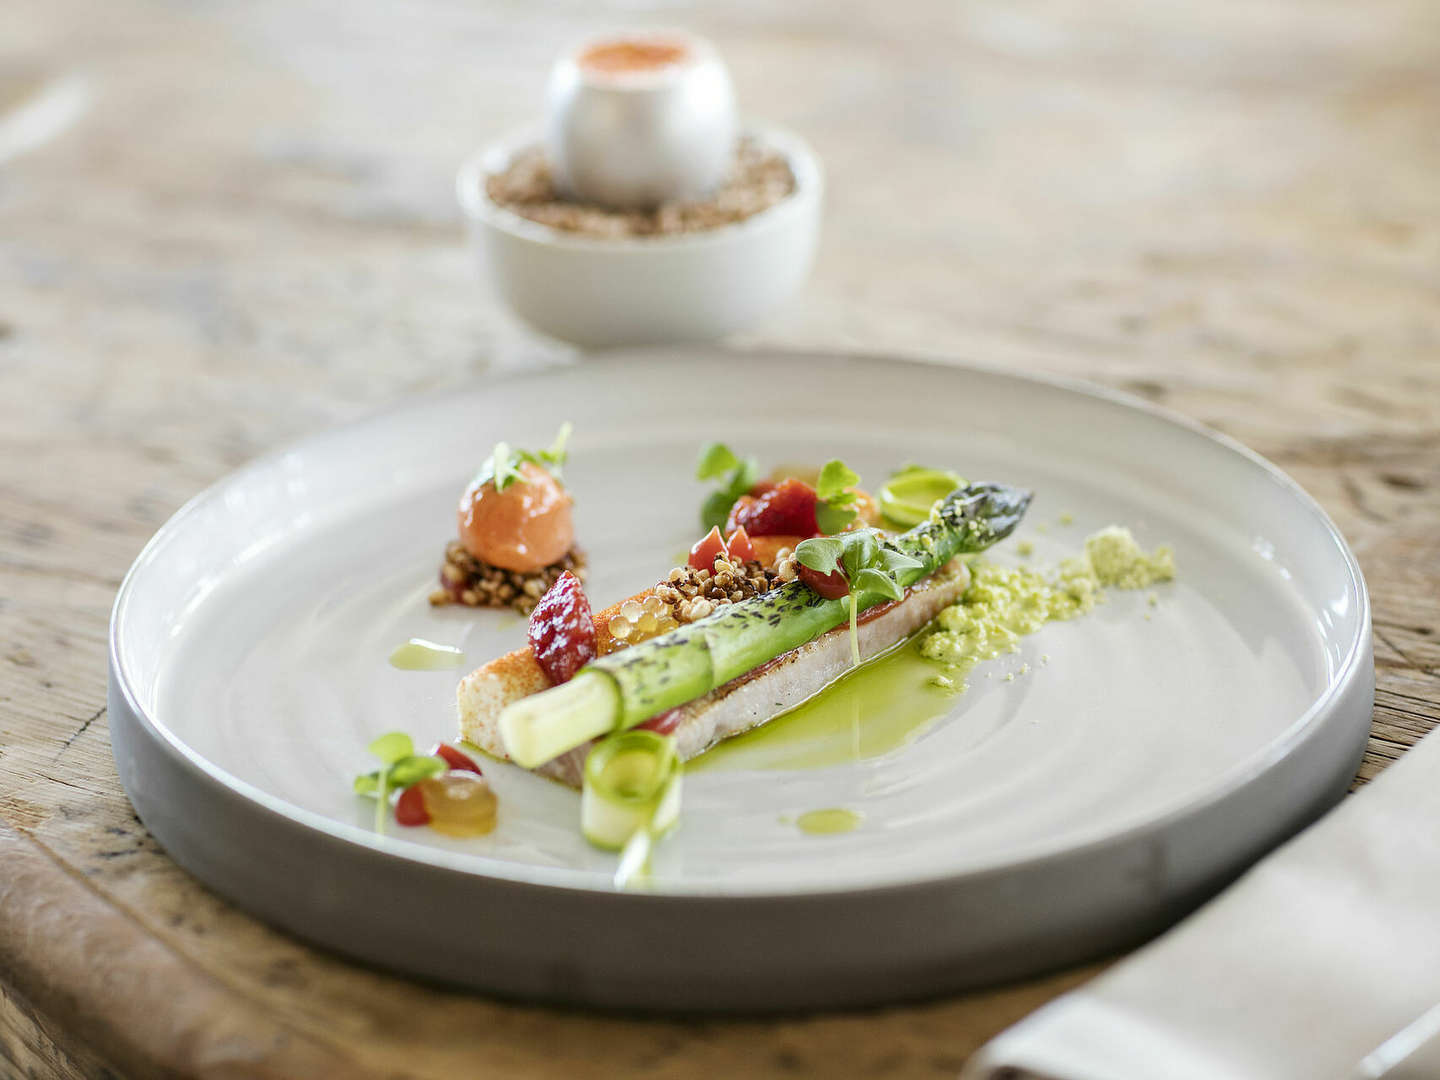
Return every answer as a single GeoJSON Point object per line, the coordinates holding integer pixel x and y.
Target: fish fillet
{"type": "Point", "coordinates": [738, 706]}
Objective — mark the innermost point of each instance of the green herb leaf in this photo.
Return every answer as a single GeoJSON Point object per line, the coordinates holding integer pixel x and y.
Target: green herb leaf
{"type": "Point", "coordinates": [503, 464]}
{"type": "Point", "coordinates": [868, 564]}
{"type": "Point", "coordinates": [404, 768]}
{"type": "Point", "coordinates": [392, 746]}
{"type": "Point", "coordinates": [743, 478]}
{"type": "Point", "coordinates": [877, 581]}
{"type": "Point", "coordinates": [835, 477]}
{"type": "Point", "coordinates": [820, 553]}
{"type": "Point", "coordinates": [833, 519]}
{"type": "Point", "coordinates": [716, 459]}
{"type": "Point", "coordinates": [867, 561]}
{"type": "Point", "coordinates": [557, 454]}
{"type": "Point", "coordinates": [862, 549]}
{"type": "Point", "coordinates": [715, 511]}
{"type": "Point", "coordinates": [367, 783]}
{"type": "Point", "coordinates": [894, 562]}
{"type": "Point", "coordinates": [836, 507]}
{"type": "Point", "coordinates": [407, 772]}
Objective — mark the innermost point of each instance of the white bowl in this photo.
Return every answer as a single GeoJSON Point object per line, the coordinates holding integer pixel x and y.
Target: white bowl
{"type": "Point", "coordinates": [600, 293]}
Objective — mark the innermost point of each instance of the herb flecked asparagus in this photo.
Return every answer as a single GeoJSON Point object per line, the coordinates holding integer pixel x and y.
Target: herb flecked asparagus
{"type": "Point", "coordinates": [627, 687]}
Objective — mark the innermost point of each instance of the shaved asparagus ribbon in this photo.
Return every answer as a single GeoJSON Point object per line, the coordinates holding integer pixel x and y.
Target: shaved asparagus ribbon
{"type": "Point", "coordinates": [634, 864]}
{"type": "Point", "coordinates": [907, 497]}
{"type": "Point", "coordinates": [631, 796]}
{"type": "Point", "coordinates": [545, 725]}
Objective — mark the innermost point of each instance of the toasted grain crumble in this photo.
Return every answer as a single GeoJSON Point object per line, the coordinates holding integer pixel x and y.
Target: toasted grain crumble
{"type": "Point", "coordinates": [688, 595]}
{"type": "Point", "coordinates": [692, 594]}
{"type": "Point", "coordinates": [467, 580]}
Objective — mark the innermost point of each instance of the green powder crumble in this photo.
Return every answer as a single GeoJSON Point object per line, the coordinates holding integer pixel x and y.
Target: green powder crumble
{"type": "Point", "coordinates": [1002, 604]}
{"type": "Point", "coordinates": [1119, 561]}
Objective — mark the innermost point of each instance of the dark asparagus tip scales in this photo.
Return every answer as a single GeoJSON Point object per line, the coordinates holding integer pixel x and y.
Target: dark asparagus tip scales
{"type": "Point", "coordinates": [969, 519]}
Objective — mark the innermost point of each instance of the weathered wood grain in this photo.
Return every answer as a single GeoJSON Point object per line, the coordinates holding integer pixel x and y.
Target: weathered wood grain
{"type": "Point", "coordinates": [248, 233]}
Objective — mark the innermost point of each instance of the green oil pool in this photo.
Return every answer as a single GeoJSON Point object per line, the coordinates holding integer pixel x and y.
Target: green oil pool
{"type": "Point", "coordinates": [825, 822]}
{"type": "Point", "coordinates": [867, 712]}
{"type": "Point", "coordinates": [417, 654]}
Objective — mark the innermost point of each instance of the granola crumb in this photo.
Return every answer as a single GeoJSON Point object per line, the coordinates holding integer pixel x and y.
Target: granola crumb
{"type": "Point", "coordinates": [687, 595]}
{"type": "Point", "coordinates": [470, 582]}
{"type": "Point", "coordinates": [759, 179]}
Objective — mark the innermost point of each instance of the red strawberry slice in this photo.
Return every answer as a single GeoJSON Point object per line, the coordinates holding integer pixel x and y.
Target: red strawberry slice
{"type": "Point", "coordinates": [562, 630]}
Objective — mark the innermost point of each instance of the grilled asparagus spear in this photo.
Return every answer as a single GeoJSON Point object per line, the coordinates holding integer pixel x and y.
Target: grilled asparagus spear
{"type": "Point", "coordinates": [625, 688]}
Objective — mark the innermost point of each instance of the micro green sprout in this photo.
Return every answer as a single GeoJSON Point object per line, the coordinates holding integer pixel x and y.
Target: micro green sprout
{"type": "Point", "coordinates": [403, 769]}
{"type": "Point", "coordinates": [868, 564]}
{"type": "Point", "coordinates": [503, 464]}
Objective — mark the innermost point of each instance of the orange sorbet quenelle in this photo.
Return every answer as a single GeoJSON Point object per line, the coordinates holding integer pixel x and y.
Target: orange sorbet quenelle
{"type": "Point", "coordinates": [523, 526]}
{"type": "Point", "coordinates": [516, 535]}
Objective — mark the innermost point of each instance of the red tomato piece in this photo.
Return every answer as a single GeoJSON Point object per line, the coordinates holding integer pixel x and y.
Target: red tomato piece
{"type": "Point", "coordinates": [664, 723]}
{"type": "Point", "coordinates": [456, 759]}
{"type": "Point", "coordinates": [410, 810]}
{"type": "Point", "coordinates": [704, 554]}
{"type": "Point", "coordinates": [743, 507]}
{"type": "Point", "coordinates": [788, 507]}
{"type": "Point", "coordinates": [739, 546]}
{"type": "Point", "coordinates": [832, 586]}
{"type": "Point", "coordinates": [562, 630]}
{"type": "Point", "coordinates": [761, 487]}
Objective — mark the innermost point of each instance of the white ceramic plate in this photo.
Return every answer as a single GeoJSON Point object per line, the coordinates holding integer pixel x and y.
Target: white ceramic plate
{"type": "Point", "coordinates": [1147, 754]}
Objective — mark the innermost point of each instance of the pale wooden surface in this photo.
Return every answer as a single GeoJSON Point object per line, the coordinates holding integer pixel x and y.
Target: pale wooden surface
{"type": "Point", "coordinates": [249, 234]}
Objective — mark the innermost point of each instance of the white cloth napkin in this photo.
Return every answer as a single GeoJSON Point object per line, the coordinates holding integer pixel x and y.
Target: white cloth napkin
{"type": "Point", "coordinates": [1307, 964]}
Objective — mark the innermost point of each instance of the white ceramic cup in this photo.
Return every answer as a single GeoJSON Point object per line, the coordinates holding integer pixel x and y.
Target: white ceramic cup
{"type": "Point", "coordinates": [600, 293]}
{"type": "Point", "coordinates": [636, 121]}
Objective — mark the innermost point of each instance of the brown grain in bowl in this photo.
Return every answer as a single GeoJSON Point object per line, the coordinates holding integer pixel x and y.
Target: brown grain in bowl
{"type": "Point", "coordinates": [759, 179]}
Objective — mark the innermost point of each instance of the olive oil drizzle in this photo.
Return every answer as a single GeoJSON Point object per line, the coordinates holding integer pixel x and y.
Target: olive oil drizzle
{"type": "Point", "coordinates": [827, 822]}
{"type": "Point", "coordinates": [870, 711]}
{"type": "Point", "coordinates": [417, 654]}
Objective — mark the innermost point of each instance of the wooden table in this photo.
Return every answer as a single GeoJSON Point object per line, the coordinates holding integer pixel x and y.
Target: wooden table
{"type": "Point", "coordinates": [232, 224]}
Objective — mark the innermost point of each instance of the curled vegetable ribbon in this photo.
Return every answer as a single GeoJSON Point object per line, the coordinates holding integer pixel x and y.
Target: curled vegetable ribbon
{"type": "Point", "coordinates": [907, 497]}
{"type": "Point", "coordinates": [631, 796]}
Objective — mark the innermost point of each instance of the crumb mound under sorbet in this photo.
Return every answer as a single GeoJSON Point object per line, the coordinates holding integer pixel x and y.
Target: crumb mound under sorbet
{"type": "Point", "coordinates": [467, 580]}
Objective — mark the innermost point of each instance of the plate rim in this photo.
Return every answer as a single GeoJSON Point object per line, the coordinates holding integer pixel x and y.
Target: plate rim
{"type": "Point", "coordinates": [314, 825]}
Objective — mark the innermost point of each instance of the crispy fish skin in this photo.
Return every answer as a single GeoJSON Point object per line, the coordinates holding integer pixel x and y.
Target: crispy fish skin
{"type": "Point", "coordinates": [739, 705]}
